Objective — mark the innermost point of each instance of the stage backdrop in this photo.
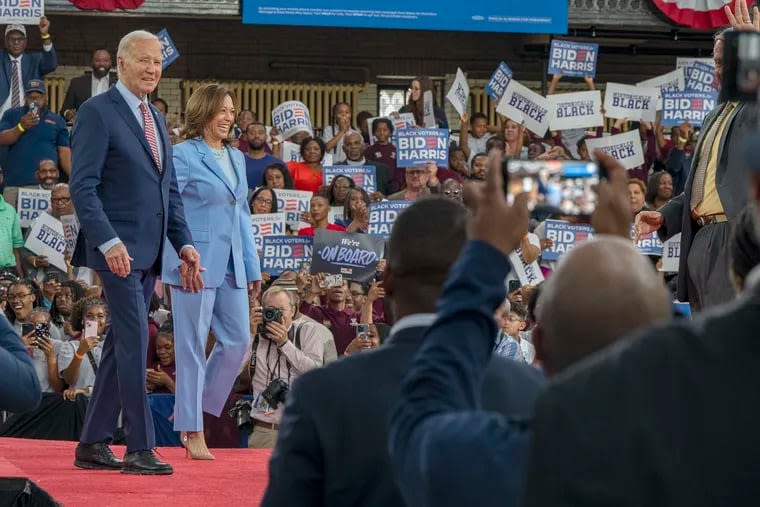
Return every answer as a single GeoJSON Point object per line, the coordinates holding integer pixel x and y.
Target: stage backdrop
{"type": "Point", "coordinates": [549, 16]}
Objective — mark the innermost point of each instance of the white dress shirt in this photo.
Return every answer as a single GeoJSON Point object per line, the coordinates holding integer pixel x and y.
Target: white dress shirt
{"type": "Point", "coordinates": [99, 85]}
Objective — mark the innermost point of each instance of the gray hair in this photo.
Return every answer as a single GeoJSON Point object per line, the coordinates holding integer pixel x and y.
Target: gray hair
{"type": "Point", "coordinates": [126, 42]}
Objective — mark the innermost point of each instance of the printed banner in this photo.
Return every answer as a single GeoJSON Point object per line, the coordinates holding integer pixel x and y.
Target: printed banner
{"type": "Point", "coordinates": [685, 61]}
{"type": "Point", "coordinates": [46, 238]}
{"type": "Point", "coordinates": [671, 254]}
{"type": "Point", "coordinates": [70, 225]}
{"type": "Point", "coordinates": [672, 81]}
{"type": "Point", "coordinates": [21, 12]}
{"type": "Point", "coordinates": [528, 274]}
{"type": "Point", "coordinates": [402, 121]}
{"type": "Point", "coordinates": [291, 117]}
{"type": "Point", "coordinates": [632, 102]}
{"type": "Point", "coordinates": [267, 224]}
{"type": "Point", "coordinates": [579, 110]}
{"type": "Point", "coordinates": [383, 214]}
{"type": "Point", "coordinates": [428, 107]}
{"type": "Point", "coordinates": [565, 236]}
{"type": "Point", "coordinates": [574, 59]}
{"type": "Point", "coordinates": [625, 148]}
{"type": "Point", "coordinates": [284, 253]}
{"type": "Point", "coordinates": [700, 78]}
{"type": "Point", "coordinates": [31, 203]}
{"type": "Point", "coordinates": [364, 176]}
{"type": "Point", "coordinates": [497, 85]}
{"type": "Point", "coordinates": [648, 245]}
{"type": "Point", "coordinates": [678, 107]}
{"type": "Point", "coordinates": [526, 107]}
{"type": "Point", "coordinates": [355, 256]}
{"type": "Point", "coordinates": [169, 51]}
{"type": "Point", "coordinates": [294, 203]}
{"type": "Point", "coordinates": [459, 93]}
{"type": "Point", "coordinates": [336, 214]}
{"type": "Point", "coordinates": [421, 145]}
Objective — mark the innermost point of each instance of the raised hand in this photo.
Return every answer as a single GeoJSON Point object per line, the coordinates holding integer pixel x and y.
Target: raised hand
{"type": "Point", "coordinates": [740, 18]}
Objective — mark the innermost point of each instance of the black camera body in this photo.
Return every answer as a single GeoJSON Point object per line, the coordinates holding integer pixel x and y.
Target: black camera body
{"type": "Point", "coordinates": [741, 66]}
{"type": "Point", "coordinates": [269, 314]}
{"type": "Point", "coordinates": [275, 392]}
{"type": "Point", "coordinates": [241, 413]}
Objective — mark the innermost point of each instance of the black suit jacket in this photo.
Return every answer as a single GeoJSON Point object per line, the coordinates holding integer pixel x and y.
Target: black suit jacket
{"type": "Point", "coordinates": [80, 89]}
{"type": "Point", "coordinates": [383, 175]}
{"type": "Point", "coordinates": [332, 448]}
{"type": "Point", "coordinates": [667, 419]}
{"type": "Point", "coordinates": [730, 178]}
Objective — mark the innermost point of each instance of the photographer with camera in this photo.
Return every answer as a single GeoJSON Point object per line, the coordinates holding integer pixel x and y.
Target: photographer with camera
{"type": "Point", "coordinates": [280, 353]}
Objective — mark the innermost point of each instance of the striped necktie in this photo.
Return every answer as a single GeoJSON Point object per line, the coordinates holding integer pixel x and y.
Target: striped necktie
{"type": "Point", "coordinates": [150, 134]}
{"type": "Point", "coordinates": [15, 88]}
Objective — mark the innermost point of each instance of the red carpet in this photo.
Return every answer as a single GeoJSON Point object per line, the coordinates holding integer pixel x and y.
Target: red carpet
{"type": "Point", "coordinates": [236, 477]}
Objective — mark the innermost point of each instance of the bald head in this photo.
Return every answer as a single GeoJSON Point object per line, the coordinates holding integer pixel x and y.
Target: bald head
{"type": "Point", "coordinates": [602, 290]}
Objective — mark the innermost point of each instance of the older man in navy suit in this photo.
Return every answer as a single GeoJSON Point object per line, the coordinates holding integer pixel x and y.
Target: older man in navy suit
{"type": "Point", "coordinates": [125, 193]}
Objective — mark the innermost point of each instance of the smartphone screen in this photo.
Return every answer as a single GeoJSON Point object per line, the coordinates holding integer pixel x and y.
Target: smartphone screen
{"type": "Point", "coordinates": [362, 331]}
{"type": "Point", "coordinates": [563, 184]}
{"type": "Point", "coordinates": [513, 286]}
{"type": "Point", "coordinates": [90, 328]}
{"type": "Point", "coordinates": [333, 281]}
{"type": "Point", "coordinates": [42, 330]}
{"type": "Point", "coordinates": [26, 329]}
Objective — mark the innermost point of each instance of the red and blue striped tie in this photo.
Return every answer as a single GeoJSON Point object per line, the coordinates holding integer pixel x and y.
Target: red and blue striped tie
{"type": "Point", "coordinates": [150, 134]}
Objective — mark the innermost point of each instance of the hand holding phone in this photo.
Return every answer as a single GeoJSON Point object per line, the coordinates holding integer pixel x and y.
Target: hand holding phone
{"type": "Point", "coordinates": [91, 329]}
{"type": "Point", "coordinates": [332, 281]}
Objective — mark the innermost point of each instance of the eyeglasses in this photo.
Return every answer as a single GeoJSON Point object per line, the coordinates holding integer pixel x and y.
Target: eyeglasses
{"type": "Point", "coordinates": [262, 200]}
{"type": "Point", "coordinates": [18, 297]}
{"type": "Point", "coordinates": [60, 199]}
{"type": "Point", "coordinates": [452, 192]}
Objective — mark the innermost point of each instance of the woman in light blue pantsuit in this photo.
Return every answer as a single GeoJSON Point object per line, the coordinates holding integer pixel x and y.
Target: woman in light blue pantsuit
{"type": "Point", "coordinates": [212, 182]}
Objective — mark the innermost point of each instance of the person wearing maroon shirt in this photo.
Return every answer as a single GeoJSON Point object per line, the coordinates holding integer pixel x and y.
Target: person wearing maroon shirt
{"type": "Point", "coordinates": [385, 152]}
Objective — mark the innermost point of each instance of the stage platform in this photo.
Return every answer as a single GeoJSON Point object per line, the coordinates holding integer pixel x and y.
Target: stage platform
{"type": "Point", "coordinates": [236, 477]}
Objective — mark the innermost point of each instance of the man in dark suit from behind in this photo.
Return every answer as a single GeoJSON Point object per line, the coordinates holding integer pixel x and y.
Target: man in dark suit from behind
{"type": "Point", "coordinates": [20, 388]}
{"type": "Point", "coordinates": [90, 84]}
{"type": "Point", "coordinates": [332, 447]}
{"type": "Point", "coordinates": [668, 417]}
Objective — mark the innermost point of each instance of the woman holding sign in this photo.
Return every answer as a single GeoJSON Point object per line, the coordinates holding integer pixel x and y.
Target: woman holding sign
{"type": "Point", "coordinates": [416, 103]}
{"type": "Point", "coordinates": [212, 182]}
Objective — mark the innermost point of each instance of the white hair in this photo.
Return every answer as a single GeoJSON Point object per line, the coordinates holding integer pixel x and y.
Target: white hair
{"type": "Point", "coordinates": [126, 42]}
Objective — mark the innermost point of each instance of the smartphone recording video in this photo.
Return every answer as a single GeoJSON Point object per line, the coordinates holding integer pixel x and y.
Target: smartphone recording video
{"type": "Point", "coordinates": [90, 328]}
{"type": "Point", "coordinates": [332, 281]}
{"type": "Point", "coordinates": [563, 184]}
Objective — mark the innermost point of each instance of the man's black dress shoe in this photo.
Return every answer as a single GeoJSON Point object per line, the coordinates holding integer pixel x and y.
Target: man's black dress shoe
{"type": "Point", "coordinates": [97, 456]}
{"type": "Point", "coordinates": [145, 463]}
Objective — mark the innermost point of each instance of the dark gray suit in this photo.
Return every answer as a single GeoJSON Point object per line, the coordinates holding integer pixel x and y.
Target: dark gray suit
{"type": "Point", "coordinates": [80, 89]}
{"type": "Point", "coordinates": [668, 418]}
{"type": "Point", "coordinates": [332, 448]}
{"type": "Point", "coordinates": [703, 272]}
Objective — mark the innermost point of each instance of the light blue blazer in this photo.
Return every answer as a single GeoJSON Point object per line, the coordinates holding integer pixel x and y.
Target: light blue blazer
{"type": "Point", "coordinates": [217, 215]}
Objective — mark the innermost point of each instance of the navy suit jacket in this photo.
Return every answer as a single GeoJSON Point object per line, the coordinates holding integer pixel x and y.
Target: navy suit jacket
{"type": "Point", "coordinates": [20, 388]}
{"type": "Point", "coordinates": [446, 448]}
{"type": "Point", "coordinates": [33, 66]}
{"type": "Point", "coordinates": [117, 189]}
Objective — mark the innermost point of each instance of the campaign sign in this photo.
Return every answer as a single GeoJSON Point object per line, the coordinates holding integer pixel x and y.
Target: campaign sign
{"type": "Point", "coordinates": [169, 51]}
{"type": "Point", "coordinates": [355, 256]}
{"type": "Point", "coordinates": [526, 107]}
{"type": "Point", "coordinates": [678, 107]}
{"type": "Point", "coordinates": [291, 152]}
{"type": "Point", "coordinates": [459, 93]}
{"type": "Point", "coordinates": [574, 59]}
{"type": "Point", "coordinates": [687, 61]}
{"type": "Point", "coordinates": [497, 85]}
{"type": "Point", "coordinates": [46, 238]}
{"type": "Point", "coordinates": [415, 147]}
{"type": "Point", "coordinates": [632, 102]}
{"type": "Point", "coordinates": [383, 214]}
{"type": "Point", "coordinates": [700, 77]}
{"type": "Point", "coordinates": [293, 203]}
{"type": "Point", "coordinates": [625, 148]}
{"type": "Point", "coordinates": [402, 121]}
{"type": "Point", "coordinates": [336, 214]}
{"type": "Point", "coordinates": [31, 203]}
{"type": "Point", "coordinates": [267, 224]}
{"type": "Point", "coordinates": [284, 253]}
{"type": "Point", "coordinates": [363, 176]}
{"type": "Point", "coordinates": [291, 117]}
{"type": "Point", "coordinates": [428, 110]}
{"type": "Point", "coordinates": [528, 274]}
{"type": "Point", "coordinates": [565, 236]}
{"type": "Point", "coordinates": [579, 110]}
{"type": "Point", "coordinates": [22, 12]}
{"type": "Point", "coordinates": [672, 81]}
{"type": "Point", "coordinates": [649, 244]}
{"type": "Point", "coordinates": [671, 254]}
{"type": "Point", "coordinates": [70, 225]}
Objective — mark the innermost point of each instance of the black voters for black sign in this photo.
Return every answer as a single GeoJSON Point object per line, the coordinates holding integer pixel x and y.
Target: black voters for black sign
{"type": "Point", "coordinates": [355, 256]}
